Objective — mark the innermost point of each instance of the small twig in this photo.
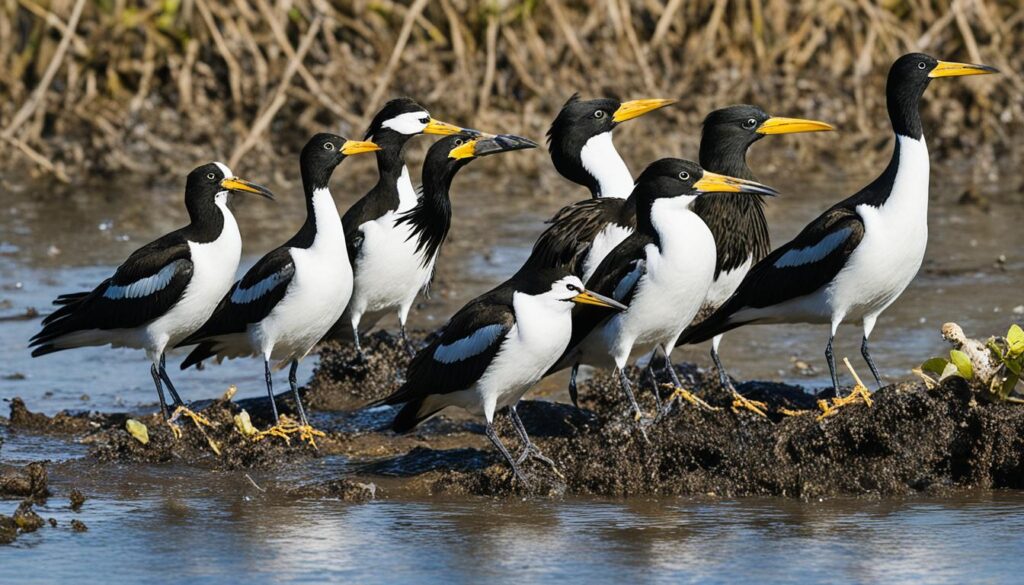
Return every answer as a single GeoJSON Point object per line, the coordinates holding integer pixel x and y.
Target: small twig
{"type": "Point", "coordinates": [853, 373]}
{"type": "Point", "coordinates": [254, 484]}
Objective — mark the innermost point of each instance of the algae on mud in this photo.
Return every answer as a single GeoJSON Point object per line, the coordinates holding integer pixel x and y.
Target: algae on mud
{"type": "Point", "coordinates": [910, 440]}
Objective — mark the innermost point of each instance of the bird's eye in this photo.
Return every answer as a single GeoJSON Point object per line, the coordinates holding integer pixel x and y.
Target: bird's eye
{"type": "Point", "coordinates": [424, 120]}
{"type": "Point", "coordinates": [329, 145]}
{"type": "Point", "coordinates": [749, 123]}
{"type": "Point", "coordinates": [599, 114]}
{"type": "Point", "coordinates": [684, 175]}
{"type": "Point", "coordinates": [211, 176]}
{"type": "Point", "coordinates": [572, 288]}
{"type": "Point", "coordinates": [458, 142]}
{"type": "Point", "coordinates": [921, 65]}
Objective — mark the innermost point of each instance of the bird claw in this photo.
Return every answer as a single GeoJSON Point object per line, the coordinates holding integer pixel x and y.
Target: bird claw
{"type": "Point", "coordinates": [859, 393]}
{"type": "Point", "coordinates": [286, 427]}
{"type": "Point", "coordinates": [198, 419]}
{"type": "Point", "coordinates": [684, 394]}
{"type": "Point", "coordinates": [532, 452]}
{"type": "Point", "coordinates": [754, 406]}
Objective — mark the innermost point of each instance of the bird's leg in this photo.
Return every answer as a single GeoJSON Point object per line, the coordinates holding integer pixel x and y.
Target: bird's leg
{"type": "Point", "coordinates": [871, 363]}
{"type": "Point", "coordinates": [831, 359]}
{"type": "Point", "coordinates": [167, 380]}
{"type": "Point", "coordinates": [654, 383]}
{"type": "Point", "coordinates": [628, 390]}
{"type": "Point", "coordinates": [529, 449]}
{"type": "Point", "coordinates": [859, 393]}
{"type": "Point", "coordinates": [574, 394]}
{"type": "Point", "coordinates": [155, 371]}
{"type": "Point", "coordinates": [359, 347]}
{"type": "Point", "coordinates": [678, 390]}
{"type": "Point", "coordinates": [504, 452]}
{"type": "Point", "coordinates": [286, 426]}
{"type": "Point", "coordinates": [738, 400]}
{"type": "Point", "coordinates": [180, 409]}
{"type": "Point", "coordinates": [270, 389]}
{"type": "Point", "coordinates": [409, 347]}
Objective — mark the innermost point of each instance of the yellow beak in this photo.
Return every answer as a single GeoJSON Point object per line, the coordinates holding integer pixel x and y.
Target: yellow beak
{"type": "Point", "coordinates": [236, 184]}
{"type": "Point", "coordinates": [778, 125]}
{"type": "Point", "coordinates": [358, 147]}
{"type": "Point", "coordinates": [466, 150]}
{"type": "Point", "coordinates": [441, 128]}
{"type": "Point", "coordinates": [951, 69]}
{"type": "Point", "coordinates": [715, 183]}
{"type": "Point", "coordinates": [637, 108]}
{"type": "Point", "coordinates": [592, 298]}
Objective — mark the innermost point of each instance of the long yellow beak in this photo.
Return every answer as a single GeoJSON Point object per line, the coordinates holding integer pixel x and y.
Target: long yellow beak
{"type": "Point", "coordinates": [778, 125]}
{"type": "Point", "coordinates": [637, 108]}
{"type": "Point", "coordinates": [715, 183]}
{"type": "Point", "coordinates": [951, 69]}
{"type": "Point", "coordinates": [441, 128]}
{"type": "Point", "coordinates": [592, 298]}
{"type": "Point", "coordinates": [236, 184]}
{"type": "Point", "coordinates": [358, 147]}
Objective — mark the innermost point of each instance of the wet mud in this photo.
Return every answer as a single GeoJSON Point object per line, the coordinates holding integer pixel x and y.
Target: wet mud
{"type": "Point", "coordinates": [910, 439]}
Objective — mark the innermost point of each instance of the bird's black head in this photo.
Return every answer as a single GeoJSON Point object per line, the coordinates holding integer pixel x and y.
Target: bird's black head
{"type": "Point", "coordinates": [579, 121]}
{"type": "Point", "coordinates": [909, 76]}
{"type": "Point", "coordinates": [449, 154]}
{"type": "Point", "coordinates": [212, 184]}
{"type": "Point", "coordinates": [729, 132]}
{"type": "Point", "coordinates": [322, 153]}
{"type": "Point", "coordinates": [402, 118]}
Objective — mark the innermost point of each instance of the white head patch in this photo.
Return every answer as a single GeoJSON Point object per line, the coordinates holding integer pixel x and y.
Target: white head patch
{"type": "Point", "coordinates": [603, 162]}
{"type": "Point", "coordinates": [224, 169]}
{"type": "Point", "coordinates": [408, 123]}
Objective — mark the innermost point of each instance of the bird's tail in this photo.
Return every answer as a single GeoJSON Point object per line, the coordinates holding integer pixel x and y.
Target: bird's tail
{"type": "Point", "coordinates": [716, 323]}
{"type": "Point", "coordinates": [204, 350]}
{"type": "Point", "coordinates": [64, 321]}
{"type": "Point", "coordinates": [413, 413]}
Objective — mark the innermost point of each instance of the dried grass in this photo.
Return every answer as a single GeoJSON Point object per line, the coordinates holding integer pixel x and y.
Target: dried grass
{"type": "Point", "coordinates": [153, 86]}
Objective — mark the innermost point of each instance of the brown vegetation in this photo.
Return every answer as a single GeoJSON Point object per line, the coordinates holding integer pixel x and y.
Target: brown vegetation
{"type": "Point", "coordinates": [115, 85]}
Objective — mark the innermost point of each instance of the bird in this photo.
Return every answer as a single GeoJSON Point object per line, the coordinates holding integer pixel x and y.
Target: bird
{"type": "Point", "coordinates": [855, 259]}
{"type": "Point", "coordinates": [371, 230]}
{"type": "Point", "coordinates": [737, 220]}
{"type": "Point", "coordinates": [286, 302]}
{"type": "Point", "coordinates": [166, 289]}
{"type": "Point", "coordinates": [662, 271]}
{"type": "Point", "coordinates": [492, 351]}
{"type": "Point", "coordinates": [580, 143]}
{"type": "Point", "coordinates": [400, 267]}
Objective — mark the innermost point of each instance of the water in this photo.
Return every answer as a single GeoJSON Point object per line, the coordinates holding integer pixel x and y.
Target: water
{"type": "Point", "coordinates": [152, 522]}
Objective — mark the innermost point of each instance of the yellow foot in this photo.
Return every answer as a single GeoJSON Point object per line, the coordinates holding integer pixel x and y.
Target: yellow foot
{"type": "Point", "coordinates": [859, 393]}
{"type": "Point", "coordinates": [286, 428]}
{"type": "Point", "coordinates": [198, 419]}
{"type": "Point", "coordinates": [754, 406]}
{"type": "Point", "coordinates": [684, 394]}
{"type": "Point", "coordinates": [790, 412]}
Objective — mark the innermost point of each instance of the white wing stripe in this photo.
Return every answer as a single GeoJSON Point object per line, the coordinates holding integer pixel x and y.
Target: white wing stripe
{"type": "Point", "coordinates": [814, 253]}
{"type": "Point", "coordinates": [247, 295]}
{"type": "Point", "coordinates": [469, 346]}
{"type": "Point", "coordinates": [144, 286]}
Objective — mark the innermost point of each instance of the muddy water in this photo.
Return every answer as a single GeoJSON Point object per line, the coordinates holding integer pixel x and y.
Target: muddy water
{"type": "Point", "coordinates": [148, 522]}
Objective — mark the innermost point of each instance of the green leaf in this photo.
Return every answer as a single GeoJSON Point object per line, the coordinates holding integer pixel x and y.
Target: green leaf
{"type": "Point", "coordinates": [950, 370]}
{"type": "Point", "coordinates": [1013, 365]}
{"type": "Point", "coordinates": [936, 365]}
{"type": "Point", "coordinates": [1015, 338]}
{"type": "Point", "coordinates": [962, 362]}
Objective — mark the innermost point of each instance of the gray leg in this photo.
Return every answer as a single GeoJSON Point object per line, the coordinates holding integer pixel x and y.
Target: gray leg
{"type": "Point", "coordinates": [409, 347]}
{"type": "Point", "coordinates": [831, 358]}
{"type": "Point", "coordinates": [295, 391]}
{"type": "Point", "coordinates": [270, 389]}
{"type": "Point", "coordinates": [167, 380]}
{"type": "Point", "coordinates": [628, 390]}
{"type": "Point", "coordinates": [573, 390]}
{"type": "Point", "coordinates": [529, 449]}
{"type": "Point", "coordinates": [871, 363]}
{"type": "Point", "coordinates": [671, 370]}
{"type": "Point", "coordinates": [654, 382]}
{"type": "Point", "coordinates": [723, 377]}
{"type": "Point", "coordinates": [504, 453]}
{"type": "Point", "coordinates": [359, 347]}
{"type": "Point", "coordinates": [155, 371]}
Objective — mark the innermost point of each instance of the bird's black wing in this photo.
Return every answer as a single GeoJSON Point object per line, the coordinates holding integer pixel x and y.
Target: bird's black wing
{"type": "Point", "coordinates": [566, 242]}
{"type": "Point", "coordinates": [143, 288]}
{"type": "Point", "coordinates": [251, 299]}
{"type": "Point", "coordinates": [461, 354]}
{"type": "Point", "coordinates": [798, 268]}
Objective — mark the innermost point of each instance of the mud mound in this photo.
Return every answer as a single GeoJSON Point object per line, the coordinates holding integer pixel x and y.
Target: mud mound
{"type": "Point", "coordinates": [343, 380]}
{"type": "Point", "coordinates": [910, 440]}
{"type": "Point", "coordinates": [30, 481]}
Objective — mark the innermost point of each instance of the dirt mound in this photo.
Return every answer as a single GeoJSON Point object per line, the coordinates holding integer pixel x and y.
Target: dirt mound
{"type": "Point", "coordinates": [30, 481]}
{"type": "Point", "coordinates": [344, 380]}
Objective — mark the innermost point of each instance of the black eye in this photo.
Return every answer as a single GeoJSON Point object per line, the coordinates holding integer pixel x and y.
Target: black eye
{"type": "Point", "coordinates": [572, 288]}
{"type": "Point", "coordinates": [211, 176]}
{"type": "Point", "coordinates": [329, 145]}
{"type": "Point", "coordinates": [599, 114]}
{"type": "Point", "coordinates": [458, 142]}
{"type": "Point", "coordinates": [750, 123]}
{"type": "Point", "coordinates": [684, 175]}
{"type": "Point", "coordinates": [921, 65]}
{"type": "Point", "coordinates": [424, 120]}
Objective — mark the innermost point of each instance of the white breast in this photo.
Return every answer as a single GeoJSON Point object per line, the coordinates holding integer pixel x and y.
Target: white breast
{"type": "Point", "coordinates": [611, 236]}
{"type": "Point", "coordinates": [406, 193]}
{"type": "Point", "coordinates": [318, 293]}
{"type": "Point", "coordinates": [726, 284]}
{"type": "Point", "coordinates": [895, 238]}
{"type": "Point", "coordinates": [213, 272]}
{"type": "Point", "coordinates": [603, 162]}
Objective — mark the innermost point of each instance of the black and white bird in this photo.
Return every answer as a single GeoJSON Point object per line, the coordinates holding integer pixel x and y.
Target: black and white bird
{"type": "Point", "coordinates": [425, 227]}
{"type": "Point", "coordinates": [580, 142]}
{"type": "Point", "coordinates": [854, 260]}
{"type": "Point", "coordinates": [165, 290]}
{"type": "Point", "coordinates": [374, 238]}
{"type": "Point", "coordinates": [662, 270]}
{"type": "Point", "coordinates": [493, 350]}
{"type": "Point", "coordinates": [286, 302]}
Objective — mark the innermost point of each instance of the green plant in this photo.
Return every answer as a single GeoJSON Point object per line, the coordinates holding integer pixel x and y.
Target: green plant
{"type": "Point", "coordinates": [1001, 374]}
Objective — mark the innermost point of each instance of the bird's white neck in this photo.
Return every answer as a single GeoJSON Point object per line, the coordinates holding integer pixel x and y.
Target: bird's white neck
{"type": "Point", "coordinates": [406, 193]}
{"type": "Point", "coordinates": [909, 197]}
{"type": "Point", "coordinates": [541, 318]}
{"type": "Point", "coordinates": [603, 162]}
{"type": "Point", "coordinates": [328, 223]}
